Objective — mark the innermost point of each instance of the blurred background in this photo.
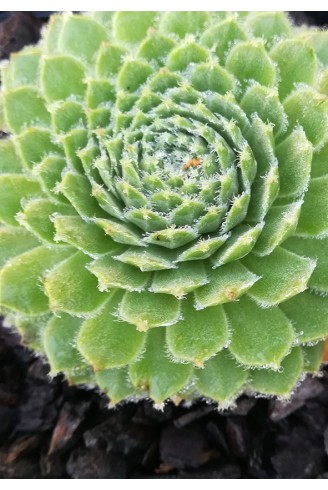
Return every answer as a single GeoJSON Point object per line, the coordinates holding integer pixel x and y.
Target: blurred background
{"type": "Point", "coordinates": [20, 28]}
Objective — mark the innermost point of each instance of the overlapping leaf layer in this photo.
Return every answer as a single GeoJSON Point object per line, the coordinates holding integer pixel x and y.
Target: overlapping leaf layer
{"type": "Point", "coordinates": [164, 209]}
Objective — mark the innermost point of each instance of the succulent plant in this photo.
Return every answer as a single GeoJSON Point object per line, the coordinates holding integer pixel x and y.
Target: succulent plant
{"type": "Point", "coordinates": [164, 207]}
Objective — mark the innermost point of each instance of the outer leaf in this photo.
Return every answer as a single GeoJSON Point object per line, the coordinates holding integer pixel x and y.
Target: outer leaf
{"type": "Point", "coordinates": [155, 373]}
{"type": "Point", "coordinates": [114, 274]}
{"type": "Point", "coordinates": [313, 219]}
{"type": "Point", "coordinates": [62, 77]}
{"type": "Point", "coordinates": [309, 314]}
{"type": "Point", "coordinates": [312, 356]}
{"type": "Point", "coordinates": [226, 284]}
{"type": "Point", "coordinates": [132, 26]}
{"type": "Point", "coordinates": [180, 281]}
{"type": "Point", "coordinates": [115, 383]}
{"type": "Point", "coordinates": [282, 382]}
{"type": "Point", "coordinates": [317, 250]}
{"type": "Point", "coordinates": [59, 342]}
{"type": "Point", "coordinates": [259, 67]}
{"type": "Point", "coordinates": [36, 217]}
{"type": "Point", "coordinates": [83, 235]}
{"type": "Point", "coordinates": [146, 310]}
{"type": "Point", "coordinates": [283, 275]}
{"type": "Point", "coordinates": [183, 23]}
{"type": "Point", "coordinates": [222, 378]}
{"type": "Point", "coordinates": [200, 334]}
{"type": "Point", "coordinates": [294, 156]}
{"type": "Point", "coordinates": [281, 222]}
{"type": "Point", "coordinates": [227, 31]}
{"type": "Point", "coordinates": [81, 37]}
{"type": "Point", "coordinates": [271, 26]}
{"type": "Point", "coordinates": [297, 63]}
{"type": "Point", "coordinates": [14, 241]}
{"type": "Point", "coordinates": [308, 108]}
{"type": "Point", "coordinates": [24, 107]}
{"type": "Point", "coordinates": [72, 289]}
{"type": "Point", "coordinates": [260, 337]}
{"type": "Point", "coordinates": [21, 279]}
{"type": "Point", "coordinates": [106, 342]}
{"type": "Point", "coordinates": [10, 161]}
{"type": "Point", "coordinates": [31, 329]}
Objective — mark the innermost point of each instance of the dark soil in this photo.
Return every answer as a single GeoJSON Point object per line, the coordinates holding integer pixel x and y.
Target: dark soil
{"type": "Point", "coordinates": [51, 430]}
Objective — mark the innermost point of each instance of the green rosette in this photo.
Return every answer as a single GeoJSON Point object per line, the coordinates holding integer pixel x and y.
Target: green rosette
{"type": "Point", "coordinates": [164, 209]}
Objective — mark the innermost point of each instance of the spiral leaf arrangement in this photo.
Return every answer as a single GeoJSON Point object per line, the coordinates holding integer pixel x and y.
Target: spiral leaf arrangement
{"type": "Point", "coordinates": [164, 202]}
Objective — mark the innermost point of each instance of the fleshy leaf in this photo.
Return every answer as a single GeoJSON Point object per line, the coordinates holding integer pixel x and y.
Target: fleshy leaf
{"type": "Point", "coordinates": [59, 342]}
{"type": "Point", "coordinates": [72, 289]}
{"type": "Point", "coordinates": [283, 275]}
{"type": "Point", "coordinates": [115, 383]}
{"type": "Point", "coordinates": [297, 63]}
{"type": "Point", "coordinates": [121, 232]}
{"type": "Point", "coordinates": [271, 26]}
{"type": "Point", "coordinates": [265, 102]}
{"type": "Point", "coordinates": [316, 249]}
{"type": "Point", "coordinates": [208, 77]}
{"type": "Point", "coordinates": [15, 241]}
{"type": "Point", "coordinates": [313, 218]}
{"type": "Point", "coordinates": [279, 383]}
{"type": "Point", "coordinates": [114, 274]}
{"type": "Point", "coordinates": [320, 43]}
{"type": "Point", "coordinates": [182, 56]}
{"type": "Point", "coordinates": [259, 337]}
{"type": "Point", "coordinates": [148, 259]}
{"type": "Point", "coordinates": [77, 189]}
{"type": "Point", "coordinates": [31, 329]}
{"type": "Point", "coordinates": [240, 243]}
{"type": "Point", "coordinates": [131, 27]}
{"type": "Point", "coordinates": [21, 279]}
{"type": "Point", "coordinates": [312, 357]}
{"type": "Point", "coordinates": [83, 235]}
{"type": "Point", "coordinates": [227, 32]}
{"type": "Point", "coordinates": [309, 314]}
{"type": "Point", "coordinates": [24, 107]}
{"type": "Point", "coordinates": [182, 23]}
{"type": "Point", "coordinates": [81, 37]}
{"type": "Point", "coordinates": [259, 67]}
{"type": "Point", "coordinates": [10, 161]}
{"type": "Point", "coordinates": [49, 174]}
{"type": "Point", "coordinates": [199, 335]}
{"type": "Point", "coordinates": [320, 162]}
{"type": "Point", "coordinates": [133, 74]}
{"type": "Point", "coordinates": [34, 145]}
{"type": "Point", "coordinates": [109, 59]}
{"type": "Point", "coordinates": [227, 283]}
{"type": "Point", "coordinates": [280, 223]}
{"type": "Point", "coordinates": [155, 372]}
{"type": "Point", "coordinates": [202, 249]}
{"type": "Point", "coordinates": [222, 378]}
{"type": "Point", "coordinates": [62, 77]}
{"type": "Point", "coordinates": [25, 67]}
{"type": "Point", "coordinates": [178, 282]}
{"type": "Point", "coordinates": [294, 156]}
{"type": "Point", "coordinates": [146, 310]}
{"type": "Point", "coordinates": [14, 188]}
{"type": "Point", "coordinates": [106, 342]}
{"type": "Point", "coordinates": [308, 108]}
{"type": "Point", "coordinates": [37, 217]}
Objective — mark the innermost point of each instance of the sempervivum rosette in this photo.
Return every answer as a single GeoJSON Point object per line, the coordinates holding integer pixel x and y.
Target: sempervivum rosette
{"type": "Point", "coordinates": [164, 202]}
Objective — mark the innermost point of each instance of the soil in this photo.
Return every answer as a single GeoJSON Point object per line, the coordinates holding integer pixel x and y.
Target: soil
{"type": "Point", "coordinates": [51, 430]}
